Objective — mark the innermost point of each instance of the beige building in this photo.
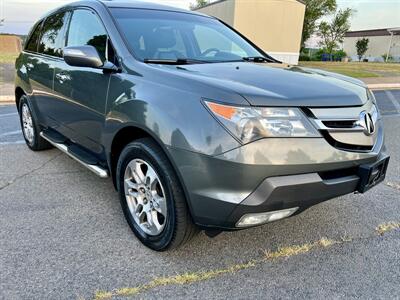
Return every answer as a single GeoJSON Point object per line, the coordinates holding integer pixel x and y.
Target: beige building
{"type": "Point", "coordinates": [381, 41]}
{"type": "Point", "coordinates": [273, 25]}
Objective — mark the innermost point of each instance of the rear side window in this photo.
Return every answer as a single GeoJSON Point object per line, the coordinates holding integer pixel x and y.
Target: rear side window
{"type": "Point", "coordinates": [32, 43]}
{"type": "Point", "coordinates": [52, 40]}
{"type": "Point", "coordinates": [86, 29]}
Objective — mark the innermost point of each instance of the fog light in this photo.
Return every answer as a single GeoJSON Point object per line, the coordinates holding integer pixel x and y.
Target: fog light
{"type": "Point", "coordinates": [261, 218]}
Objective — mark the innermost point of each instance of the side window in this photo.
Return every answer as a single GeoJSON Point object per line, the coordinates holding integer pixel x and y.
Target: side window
{"type": "Point", "coordinates": [32, 43]}
{"type": "Point", "coordinates": [86, 29]}
{"type": "Point", "coordinates": [52, 40]}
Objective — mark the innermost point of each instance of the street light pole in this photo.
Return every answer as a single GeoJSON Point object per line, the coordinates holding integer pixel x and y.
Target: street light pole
{"type": "Point", "coordinates": [1, 24]}
{"type": "Point", "coordinates": [390, 45]}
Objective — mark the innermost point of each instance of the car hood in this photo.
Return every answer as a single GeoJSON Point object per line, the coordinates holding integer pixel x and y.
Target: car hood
{"type": "Point", "coordinates": [279, 84]}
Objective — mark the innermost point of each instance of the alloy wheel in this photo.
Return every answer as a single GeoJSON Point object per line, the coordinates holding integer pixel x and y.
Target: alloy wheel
{"type": "Point", "coordinates": [27, 124]}
{"type": "Point", "coordinates": [145, 197]}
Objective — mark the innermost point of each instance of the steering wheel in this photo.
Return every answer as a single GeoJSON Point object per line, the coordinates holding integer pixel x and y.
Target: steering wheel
{"type": "Point", "coordinates": [210, 50]}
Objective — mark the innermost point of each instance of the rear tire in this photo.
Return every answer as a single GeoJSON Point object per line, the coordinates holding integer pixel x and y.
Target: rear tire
{"type": "Point", "coordinates": [30, 127]}
{"type": "Point", "coordinates": [136, 189]}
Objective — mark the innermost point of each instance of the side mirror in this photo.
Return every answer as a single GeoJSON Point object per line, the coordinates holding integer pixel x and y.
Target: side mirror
{"type": "Point", "coordinates": [83, 56]}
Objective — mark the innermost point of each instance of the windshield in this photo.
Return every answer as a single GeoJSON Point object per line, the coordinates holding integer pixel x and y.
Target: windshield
{"type": "Point", "coordinates": [166, 35]}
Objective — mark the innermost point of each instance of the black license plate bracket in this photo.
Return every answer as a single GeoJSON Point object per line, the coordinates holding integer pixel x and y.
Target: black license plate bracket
{"type": "Point", "coordinates": [372, 174]}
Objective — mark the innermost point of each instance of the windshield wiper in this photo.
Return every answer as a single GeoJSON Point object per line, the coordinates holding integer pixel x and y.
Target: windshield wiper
{"type": "Point", "coordinates": [266, 58]}
{"type": "Point", "coordinates": [178, 61]}
{"type": "Point", "coordinates": [257, 59]}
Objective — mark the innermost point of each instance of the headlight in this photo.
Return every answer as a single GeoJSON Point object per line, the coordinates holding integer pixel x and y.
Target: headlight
{"type": "Point", "coordinates": [252, 123]}
{"type": "Point", "coordinates": [371, 96]}
{"type": "Point", "coordinates": [375, 113]}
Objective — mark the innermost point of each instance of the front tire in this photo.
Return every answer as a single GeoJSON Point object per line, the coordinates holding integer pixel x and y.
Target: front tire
{"type": "Point", "coordinates": [152, 198]}
{"type": "Point", "coordinates": [30, 127]}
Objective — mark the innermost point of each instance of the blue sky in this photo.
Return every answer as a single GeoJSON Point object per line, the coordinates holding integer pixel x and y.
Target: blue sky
{"type": "Point", "coordinates": [373, 14]}
{"type": "Point", "coordinates": [19, 15]}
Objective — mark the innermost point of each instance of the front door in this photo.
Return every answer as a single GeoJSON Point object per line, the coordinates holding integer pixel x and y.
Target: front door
{"type": "Point", "coordinates": [82, 92]}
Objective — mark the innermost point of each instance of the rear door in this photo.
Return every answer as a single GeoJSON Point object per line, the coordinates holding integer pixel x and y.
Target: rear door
{"type": "Point", "coordinates": [44, 50]}
{"type": "Point", "coordinates": [82, 92]}
{"type": "Point", "coordinates": [29, 66]}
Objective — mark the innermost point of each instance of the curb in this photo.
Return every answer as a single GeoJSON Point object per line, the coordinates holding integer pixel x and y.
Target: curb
{"type": "Point", "coordinates": [384, 86]}
{"type": "Point", "coordinates": [7, 100]}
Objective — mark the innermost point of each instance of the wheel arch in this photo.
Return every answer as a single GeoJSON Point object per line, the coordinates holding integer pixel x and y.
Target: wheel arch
{"type": "Point", "coordinates": [19, 92]}
{"type": "Point", "coordinates": [130, 133]}
{"type": "Point", "coordinates": [123, 137]}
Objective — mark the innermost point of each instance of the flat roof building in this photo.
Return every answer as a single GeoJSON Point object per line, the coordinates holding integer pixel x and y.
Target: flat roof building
{"type": "Point", "coordinates": [382, 43]}
{"type": "Point", "coordinates": [274, 25]}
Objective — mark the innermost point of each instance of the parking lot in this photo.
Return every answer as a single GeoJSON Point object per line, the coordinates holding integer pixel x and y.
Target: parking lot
{"type": "Point", "coordinates": [63, 236]}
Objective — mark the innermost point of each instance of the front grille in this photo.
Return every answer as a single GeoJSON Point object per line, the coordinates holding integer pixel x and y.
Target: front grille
{"type": "Point", "coordinates": [339, 124]}
{"type": "Point", "coordinates": [346, 128]}
{"type": "Point", "coordinates": [344, 146]}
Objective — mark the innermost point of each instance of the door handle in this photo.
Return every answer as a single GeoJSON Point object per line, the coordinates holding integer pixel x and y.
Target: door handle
{"type": "Point", "coordinates": [62, 76]}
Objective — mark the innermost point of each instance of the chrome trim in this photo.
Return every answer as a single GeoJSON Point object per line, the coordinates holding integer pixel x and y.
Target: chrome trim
{"type": "Point", "coordinates": [63, 148]}
{"type": "Point", "coordinates": [27, 124]}
{"type": "Point", "coordinates": [145, 196]}
{"type": "Point", "coordinates": [366, 122]}
{"type": "Point", "coordinates": [321, 126]}
{"type": "Point", "coordinates": [341, 113]}
{"type": "Point", "coordinates": [356, 126]}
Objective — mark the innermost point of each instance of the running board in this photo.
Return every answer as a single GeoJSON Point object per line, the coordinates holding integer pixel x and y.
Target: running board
{"type": "Point", "coordinates": [99, 171]}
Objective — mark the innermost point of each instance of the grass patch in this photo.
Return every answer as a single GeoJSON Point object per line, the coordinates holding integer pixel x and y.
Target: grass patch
{"type": "Point", "coordinates": [393, 185]}
{"type": "Point", "coordinates": [325, 242]}
{"type": "Point", "coordinates": [356, 69]}
{"type": "Point", "coordinates": [102, 295]}
{"type": "Point", "coordinates": [126, 292]}
{"type": "Point", "coordinates": [288, 251]}
{"type": "Point", "coordinates": [356, 73]}
{"type": "Point", "coordinates": [180, 279]}
{"type": "Point", "coordinates": [192, 277]}
{"type": "Point", "coordinates": [300, 249]}
{"type": "Point", "coordinates": [386, 227]}
{"type": "Point", "coordinates": [7, 58]}
{"type": "Point", "coordinates": [188, 278]}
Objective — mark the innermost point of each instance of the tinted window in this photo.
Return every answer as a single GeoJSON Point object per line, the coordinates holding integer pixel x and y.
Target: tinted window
{"type": "Point", "coordinates": [157, 34]}
{"type": "Point", "coordinates": [52, 40]}
{"type": "Point", "coordinates": [86, 29]}
{"type": "Point", "coordinates": [32, 43]}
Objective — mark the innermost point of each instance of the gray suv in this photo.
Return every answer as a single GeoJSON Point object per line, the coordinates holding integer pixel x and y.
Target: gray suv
{"type": "Point", "coordinates": [197, 127]}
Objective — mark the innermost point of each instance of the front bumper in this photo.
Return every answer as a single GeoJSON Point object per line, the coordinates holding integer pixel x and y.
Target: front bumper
{"type": "Point", "coordinates": [268, 175]}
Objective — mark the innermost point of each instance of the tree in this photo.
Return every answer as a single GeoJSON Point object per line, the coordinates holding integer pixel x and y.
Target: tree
{"type": "Point", "coordinates": [362, 47]}
{"type": "Point", "coordinates": [199, 4]}
{"type": "Point", "coordinates": [315, 9]}
{"type": "Point", "coordinates": [332, 33]}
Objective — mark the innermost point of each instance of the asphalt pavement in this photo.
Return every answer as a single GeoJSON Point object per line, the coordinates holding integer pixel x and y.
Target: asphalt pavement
{"type": "Point", "coordinates": [63, 236]}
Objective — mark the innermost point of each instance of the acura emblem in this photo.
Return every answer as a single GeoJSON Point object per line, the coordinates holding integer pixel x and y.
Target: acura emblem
{"type": "Point", "coordinates": [366, 122]}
